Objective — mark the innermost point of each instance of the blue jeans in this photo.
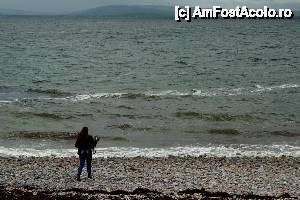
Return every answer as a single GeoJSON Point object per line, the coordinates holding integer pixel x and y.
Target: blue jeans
{"type": "Point", "coordinates": [82, 158]}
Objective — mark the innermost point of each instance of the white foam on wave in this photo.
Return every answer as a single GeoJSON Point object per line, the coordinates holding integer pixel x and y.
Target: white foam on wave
{"type": "Point", "coordinates": [166, 93]}
{"type": "Point", "coordinates": [219, 92]}
{"type": "Point", "coordinates": [270, 88]}
{"type": "Point", "coordinates": [82, 97]}
{"type": "Point", "coordinates": [4, 102]}
{"type": "Point", "coordinates": [241, 91]}
{"type": "Point", "coordinates": [193, 92]}
{"type": "Point", "coordinates": [211, 151]}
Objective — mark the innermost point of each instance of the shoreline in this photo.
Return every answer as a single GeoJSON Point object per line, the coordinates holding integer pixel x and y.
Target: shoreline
{"type": "Point", "coordinates": [210, 150]}
{"type": "Point", "coordinates": [149, 178]}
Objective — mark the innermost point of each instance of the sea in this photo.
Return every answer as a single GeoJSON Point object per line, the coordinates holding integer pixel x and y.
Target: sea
{"type": "Point", "coordinates": [149, 87]}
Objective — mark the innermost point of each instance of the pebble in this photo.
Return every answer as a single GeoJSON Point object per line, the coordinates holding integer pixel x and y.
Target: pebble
{"type": "Point", "coordinates": [238, 175]}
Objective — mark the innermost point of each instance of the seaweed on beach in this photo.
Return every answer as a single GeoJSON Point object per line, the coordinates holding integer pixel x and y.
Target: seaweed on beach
{"type": "Point", "coordinates": [137, 194]}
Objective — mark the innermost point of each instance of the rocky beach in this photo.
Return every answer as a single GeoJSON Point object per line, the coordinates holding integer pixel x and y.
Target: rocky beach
{"type": "Point", "coordinates": [170, 177]}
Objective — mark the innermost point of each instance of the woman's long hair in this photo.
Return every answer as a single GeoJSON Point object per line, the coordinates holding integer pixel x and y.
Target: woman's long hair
{"type": "Point", "coordinates": [83, 134]}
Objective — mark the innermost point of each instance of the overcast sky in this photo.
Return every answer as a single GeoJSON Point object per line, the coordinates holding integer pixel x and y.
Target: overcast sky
{"type": "Point", "coordinates": [74, 5]}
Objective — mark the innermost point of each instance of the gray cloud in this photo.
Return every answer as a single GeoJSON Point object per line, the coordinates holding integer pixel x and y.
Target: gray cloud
{"type": "Point", "coordinates": [73, 5]}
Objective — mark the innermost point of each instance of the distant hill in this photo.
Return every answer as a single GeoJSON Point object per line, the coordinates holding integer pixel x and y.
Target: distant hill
{"type": "Point", "coordinates": [123, 10]}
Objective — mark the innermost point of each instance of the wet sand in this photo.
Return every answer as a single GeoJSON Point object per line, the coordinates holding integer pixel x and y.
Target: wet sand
{"type": "Point", "coordinates": [152, 178]}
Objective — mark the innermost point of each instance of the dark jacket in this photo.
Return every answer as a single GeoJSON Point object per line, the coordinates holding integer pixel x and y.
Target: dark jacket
{"type": "Point", "coordinates": [85, 146]}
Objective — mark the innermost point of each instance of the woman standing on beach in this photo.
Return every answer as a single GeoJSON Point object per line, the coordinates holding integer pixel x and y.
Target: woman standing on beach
{"type": "Point", "coordinates": [85, 144]}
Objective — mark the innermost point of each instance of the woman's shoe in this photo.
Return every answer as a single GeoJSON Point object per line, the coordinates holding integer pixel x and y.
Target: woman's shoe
{"type": "Point", "coordinates": [78, 178]}
{"type": "Point", "coordinates": [89, 176]}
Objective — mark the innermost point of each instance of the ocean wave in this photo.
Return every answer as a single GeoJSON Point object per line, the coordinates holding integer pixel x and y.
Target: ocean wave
{"type": "Point", "coordinates": [41, 135]}
{"type": "Point", "coordinates": [52, 135]}
{"type": "Point", "coordinates": [4, 87]}
{"type": "Point", "coordinates": [167, 93]}
{"type": "Point", "coordinates": [56, 95]}
{"type": "Point", "coordinates": [270, 88]}
{"type": "Point", "coordinates": [121, 126]}
{"type": "Point", "coordinates": [224, 131]}
{"type": "Point", "coordinates": [284, 133]}
{"type": "Point", "coordinates": [135, 116]}
{"type": "Point", "coordinates": [43, 115]}
{"type": "Point", "coordinates": [241, 91]}
{"type": "Point", "coordinates": [5, 102]}
{"type": "Point", "coordinates": [82, 97]}
{"type": "Point", "coordinates": [217, 116]}
{"type": "Point", "coordinates": [210, 151]}
{"type": "Point", "coordinates": [7, 88]}
{"type": "Point", "coordinates": [193, 92]}
{"type": "Point", "coordinates": [50, 92]}
{"type": "Point", "coordinates": [114, 138]}
{"type": "Point", "coordinates": [128, 126]}
{"type": "Point", "coordinates": [125, 107]}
